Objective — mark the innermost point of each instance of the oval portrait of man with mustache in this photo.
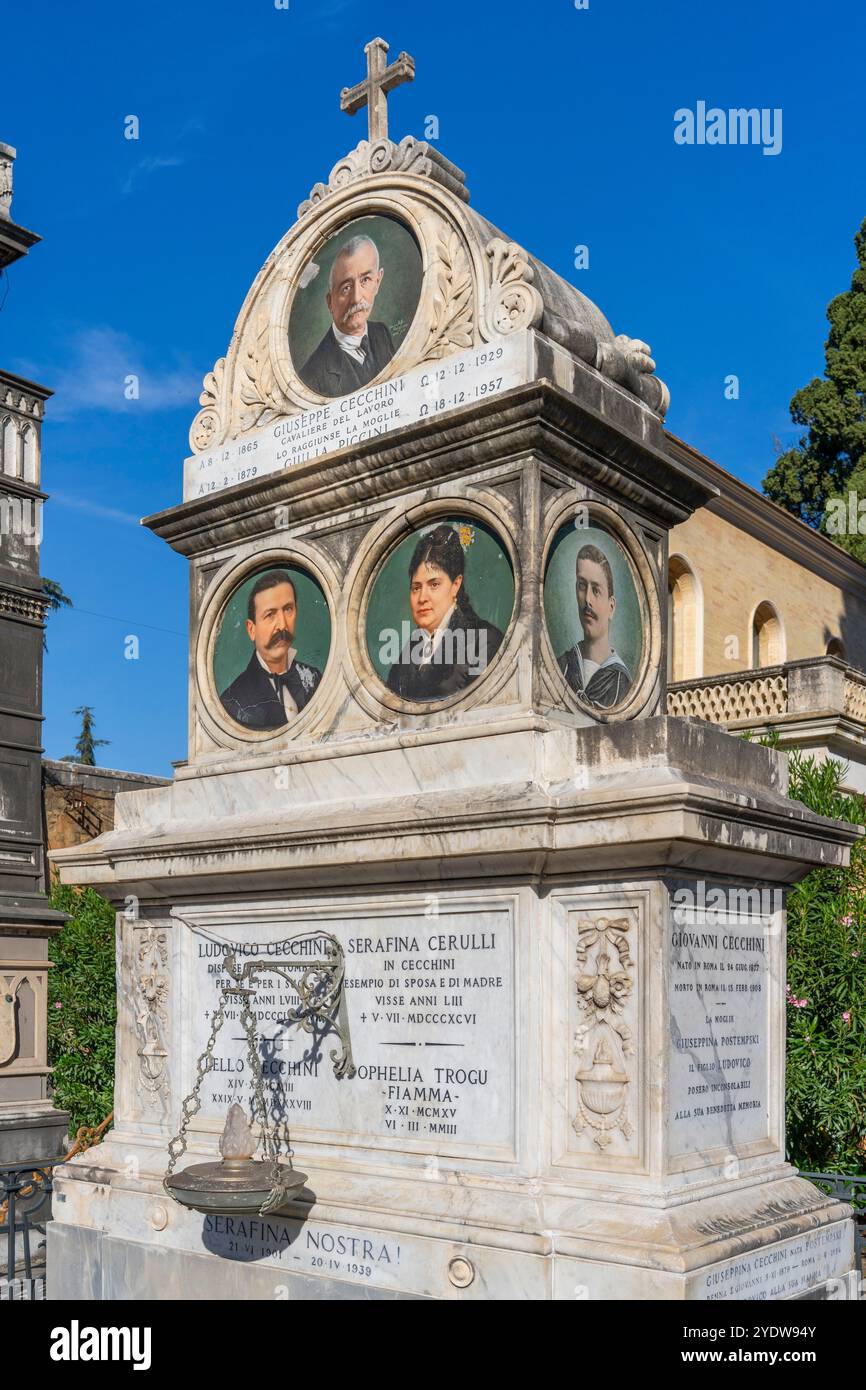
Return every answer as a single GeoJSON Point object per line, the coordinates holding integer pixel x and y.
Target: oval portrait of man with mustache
{"type": "Point", "coordinates": [593, 614]}
{"type": "Point", "coordinates": [354, 305]}
{"type": "Point", "coordinates": [271, 647]}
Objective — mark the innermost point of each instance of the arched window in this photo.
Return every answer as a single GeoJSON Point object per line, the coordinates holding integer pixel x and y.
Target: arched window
{"type": "Point", "coordinates": [836, 648]}
{"type": "Point", "coordinates": [9, 447]}
{"type": "Point", "coordinates": [768, 637]}
{"type": "Point", "coordinates": [685, 622]}
{"type": "Point", "coordinates": [31, 468]}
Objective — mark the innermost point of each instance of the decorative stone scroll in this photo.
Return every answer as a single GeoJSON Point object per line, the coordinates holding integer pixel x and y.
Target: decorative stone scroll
{"type": "Point", "coordinates": [514, 301]}
{"type": "Point", "coordinates": [411, 156]}
{"type": "Point", "coordinates": [208, 427]}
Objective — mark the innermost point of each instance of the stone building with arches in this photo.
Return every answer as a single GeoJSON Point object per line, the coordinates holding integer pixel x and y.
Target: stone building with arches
{"type": "Point", "coordinates": [766, 623]}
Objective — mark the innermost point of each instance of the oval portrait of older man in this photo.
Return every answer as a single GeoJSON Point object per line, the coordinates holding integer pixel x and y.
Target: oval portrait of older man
{"type": "Point", "coordinates": [593, 614]}
{"type": "Point", "coordinates": [438, 609]}
{"type": "Point", "coordinates": [354, 305]}
{"type": "Point", "coordinates": [271, 647]}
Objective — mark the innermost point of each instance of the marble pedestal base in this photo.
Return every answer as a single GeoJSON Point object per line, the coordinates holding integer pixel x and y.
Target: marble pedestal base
{"type": "Point", "coordinates": [564, 984]}
{"type": "Point", "coordinates": [361, 1235]}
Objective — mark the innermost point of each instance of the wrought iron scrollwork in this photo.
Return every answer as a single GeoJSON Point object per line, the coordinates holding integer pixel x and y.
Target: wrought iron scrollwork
{"type": "Point", "coordinates": [319, 986]}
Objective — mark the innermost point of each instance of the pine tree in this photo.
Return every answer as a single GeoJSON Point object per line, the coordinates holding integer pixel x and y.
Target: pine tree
{"type": "Point", "coordinates": [86, 744]}
{"type": "Point", "coordinates": [830, 460]}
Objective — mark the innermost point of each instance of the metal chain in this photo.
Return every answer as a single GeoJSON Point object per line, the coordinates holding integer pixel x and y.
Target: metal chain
{"type": "Point", "coordinates": [330, 1010]}
{"type": "Point", "coordinates": [192, 1103]}
{"type": "Point", "coordinates": [270, 1138]}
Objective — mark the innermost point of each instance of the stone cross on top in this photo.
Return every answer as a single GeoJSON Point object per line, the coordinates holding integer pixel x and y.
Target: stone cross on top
{"type": "Point", "coordinates": [372, 92]}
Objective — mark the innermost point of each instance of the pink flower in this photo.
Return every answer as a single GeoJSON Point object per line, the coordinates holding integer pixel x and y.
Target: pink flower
{"type": "Point", "coordinates": [848, 921]}
{"type": "Point", "coordinates": [847, 1017]}
{"type": "Point", "coordinates": [855, 953]}
{"type": "Point", "coordinates": [58, 1004]}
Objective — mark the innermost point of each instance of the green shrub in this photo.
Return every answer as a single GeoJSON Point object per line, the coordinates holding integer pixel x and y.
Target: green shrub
{"type": "Point", "coordinates": [826, 991]}
{"type": "Point", "coordinates": [82, 1006]}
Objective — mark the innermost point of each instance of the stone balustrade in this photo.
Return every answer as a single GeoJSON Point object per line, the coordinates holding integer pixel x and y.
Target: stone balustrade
{"type": "Point", "coordinates": [818, 686]}
{"type": "Point", "coordinates": [855, 695]}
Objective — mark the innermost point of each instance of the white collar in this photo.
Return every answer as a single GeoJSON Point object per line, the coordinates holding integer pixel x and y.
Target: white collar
{"type": "Point", "coordinates": [433, 640]}
{"type": "Point", "coordinates": [349, 340]}
{"type": "Point", "coordinates": [613, 659]}
{"type": "Point", "coordinates": [290, 656]}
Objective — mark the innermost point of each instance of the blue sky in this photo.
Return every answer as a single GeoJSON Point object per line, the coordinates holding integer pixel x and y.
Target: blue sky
{"type": "Point", "coordinates": [722, 258]}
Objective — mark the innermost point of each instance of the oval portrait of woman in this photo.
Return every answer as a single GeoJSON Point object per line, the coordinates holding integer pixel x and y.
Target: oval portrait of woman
{"type": "Point", "coordinates": [438, 610]}
{"type": "Point", "coordinates": [593, 614]}
{"type": "Point", "coordinates": [271, 647]}
{"type": "Point", "coordinates": [354, 305]}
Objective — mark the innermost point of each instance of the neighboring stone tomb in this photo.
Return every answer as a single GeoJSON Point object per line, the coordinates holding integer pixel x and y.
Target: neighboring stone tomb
{"type": "Point", "coordinates": [31, 1129]}
{"type": "Point", "coordinates": [559, 909]}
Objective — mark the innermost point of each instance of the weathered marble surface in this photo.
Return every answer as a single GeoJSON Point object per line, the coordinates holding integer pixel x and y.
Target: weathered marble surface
{"type": "Point", "coordinates": [561, 851]}
{"type": "Point", "coordinates": [552, 834]}
{"type": "Point", "coordinates": [450, 802]}
{"type": "Point", "coordinates": [429, 1240]}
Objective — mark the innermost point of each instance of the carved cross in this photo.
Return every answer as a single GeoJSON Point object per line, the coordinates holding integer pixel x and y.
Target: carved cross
{"type": "Point", "coordinates": [372, 93]}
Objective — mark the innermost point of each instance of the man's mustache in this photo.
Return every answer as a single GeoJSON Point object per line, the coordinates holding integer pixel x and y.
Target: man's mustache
{"type": "Point", "coordinates": [588, 613]}
{"type": "Point", "coordinates": [357, 307]}
{"type": "Point", "coordinates": [279, 638]}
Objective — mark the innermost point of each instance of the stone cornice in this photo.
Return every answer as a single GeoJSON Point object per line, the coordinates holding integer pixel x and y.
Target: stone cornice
{"type": "Point", "coordinates": [15, 242]}
{"type": "Point", "coordinates": [656, 792]}
{"type": "Point", "coordinates": [590, 437]}
{"type": "Point", "coordinates": [646, 827]}
{"type": "Point", "coordinates": [750, 511]}
{"type": "Point", "coordinates": [21, 383]}
{"type": "Point", "coordinates": [16, 487]}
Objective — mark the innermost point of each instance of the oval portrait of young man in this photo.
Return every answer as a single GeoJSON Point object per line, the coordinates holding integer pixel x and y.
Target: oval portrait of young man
{"type": "Point", "coordinates": [354, 305]}
{"type": "Point", "coordinates": [593, 614]}
{"type": "Point", "coordinates": [438, 610]}
{"type": "Point", "coordinates": [271, 647]}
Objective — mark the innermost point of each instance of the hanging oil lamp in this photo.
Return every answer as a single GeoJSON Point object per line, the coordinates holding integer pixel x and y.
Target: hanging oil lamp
{"type": "Point", "coordinates": [239, 1182]}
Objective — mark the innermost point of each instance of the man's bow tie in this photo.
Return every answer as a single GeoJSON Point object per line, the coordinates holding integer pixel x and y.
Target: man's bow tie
{"type": "Point", "coordinates": [279, 678]}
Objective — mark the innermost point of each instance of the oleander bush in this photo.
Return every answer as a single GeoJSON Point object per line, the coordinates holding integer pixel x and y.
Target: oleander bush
{"type": "Point", "coordinates": [826, 990]}
{"type": "Point", "coordinates": [82, 1006]}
